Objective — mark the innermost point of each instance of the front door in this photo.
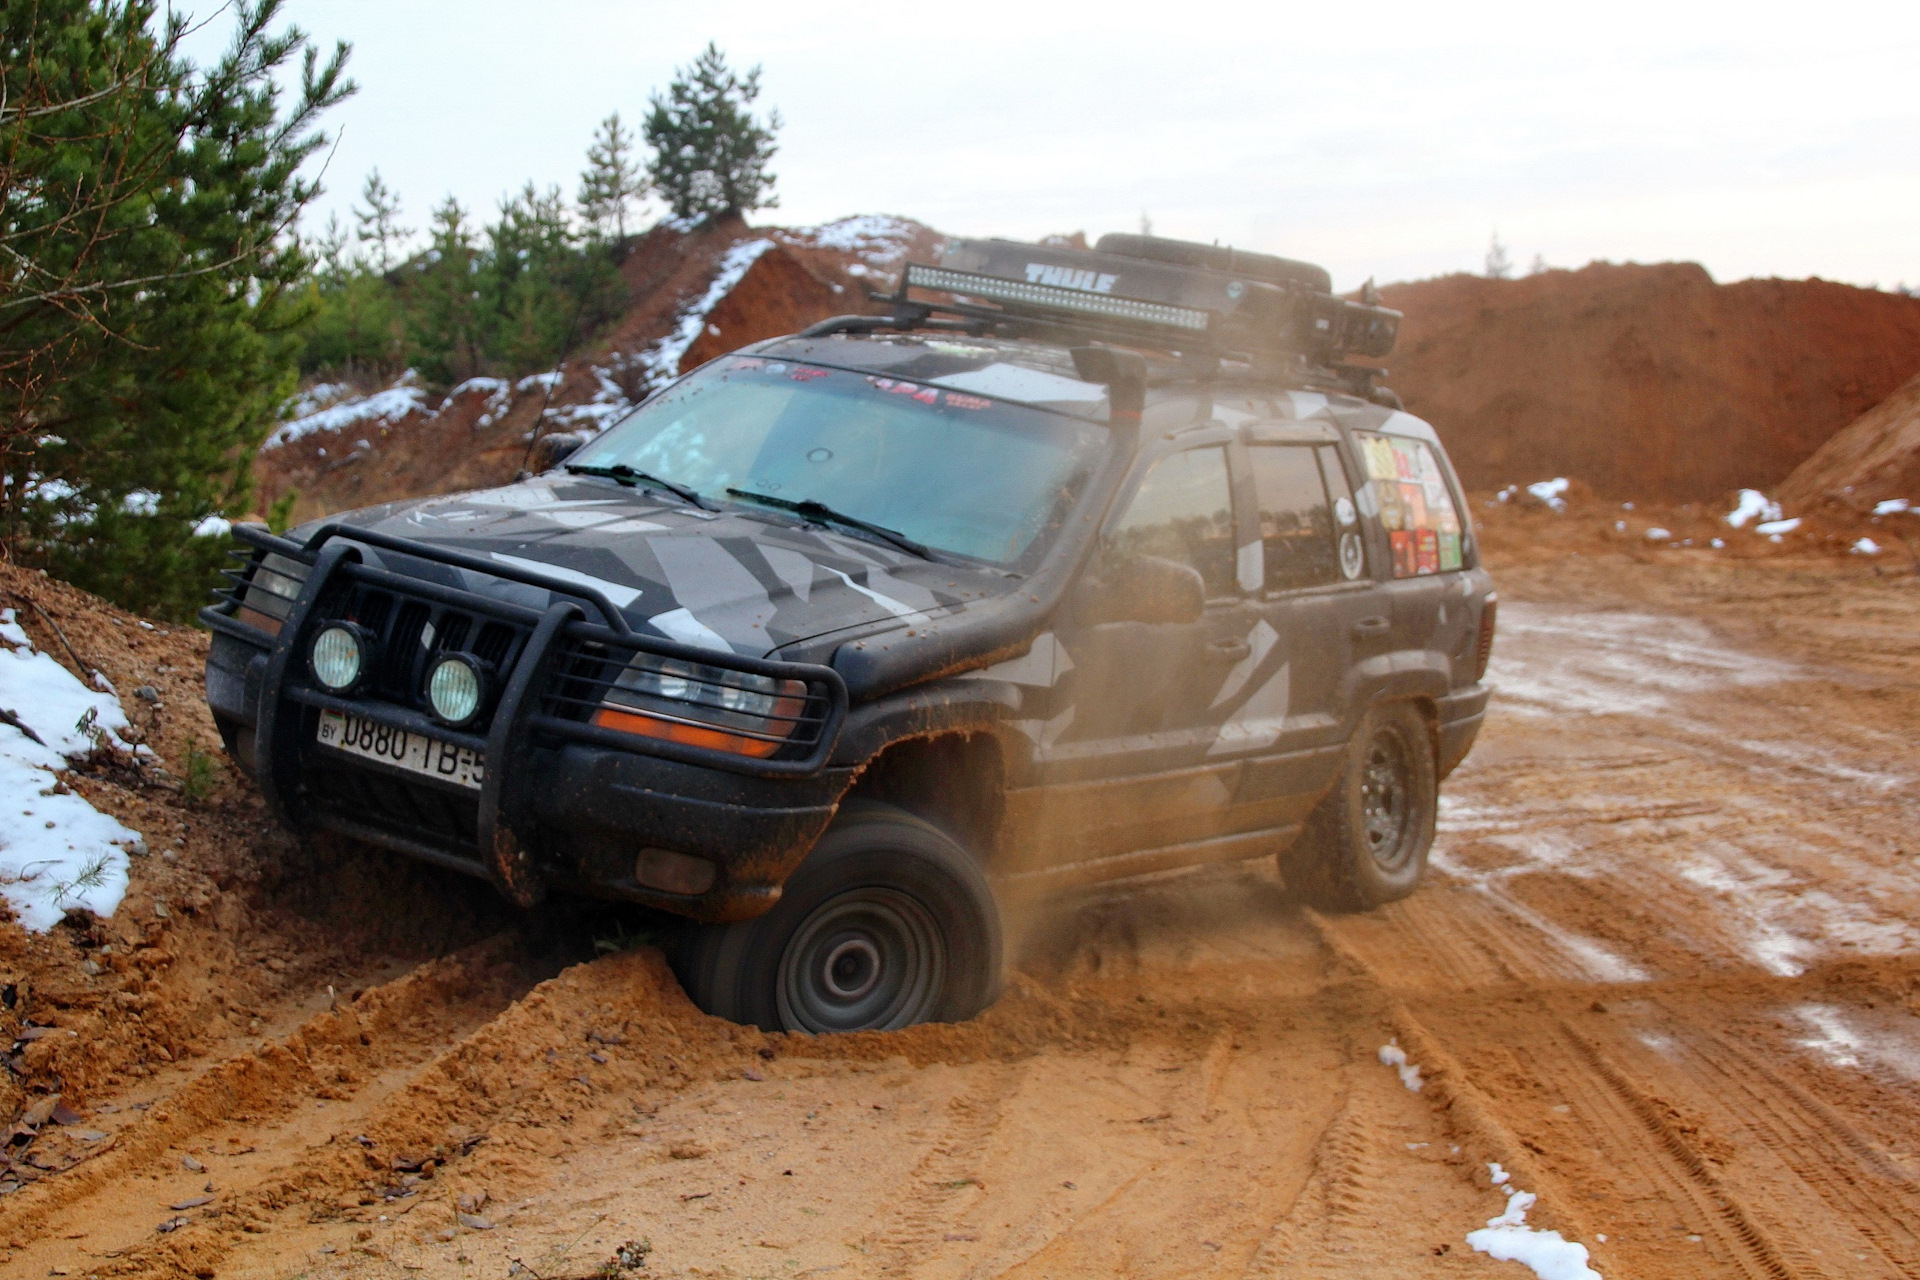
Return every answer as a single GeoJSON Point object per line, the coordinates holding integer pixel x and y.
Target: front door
{"type": "Point", "coordinates": [1125, 763]}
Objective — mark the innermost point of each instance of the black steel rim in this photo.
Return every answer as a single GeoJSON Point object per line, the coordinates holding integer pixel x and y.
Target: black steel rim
{"type": "Point", "coordinates": [1386, 800]}
{"type": "Point", "coordinates": [868, 959]}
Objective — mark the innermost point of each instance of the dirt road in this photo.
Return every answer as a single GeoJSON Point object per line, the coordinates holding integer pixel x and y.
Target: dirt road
{"type": "Point", "coordinates": [1664, 973]}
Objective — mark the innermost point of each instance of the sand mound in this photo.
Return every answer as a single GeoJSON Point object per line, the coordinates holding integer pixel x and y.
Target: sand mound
{"type": "Point", "coordinates": [1874, 460]}
{"type": "Point", "coordinates": [1645, 381]}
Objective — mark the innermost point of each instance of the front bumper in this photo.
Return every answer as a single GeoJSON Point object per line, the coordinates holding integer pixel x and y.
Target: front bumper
{"type": "Point", "coordinates": [562, 801]}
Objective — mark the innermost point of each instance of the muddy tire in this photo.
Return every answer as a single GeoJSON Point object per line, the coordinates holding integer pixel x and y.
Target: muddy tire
{"type": "Point", "coordinates": [887, 923]}
{"type": "Point", "coordinates": [1366, 842]}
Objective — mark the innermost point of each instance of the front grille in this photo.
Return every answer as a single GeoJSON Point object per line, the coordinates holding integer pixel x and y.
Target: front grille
{"type": "Point", "coordinates": [413, 632]}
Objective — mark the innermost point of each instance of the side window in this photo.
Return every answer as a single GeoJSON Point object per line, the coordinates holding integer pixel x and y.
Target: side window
{"type": "Point", "coordinates": [1415, 504]}
{"type": "Point", "coordinates": [1183, 510]}
{"type": "Point", "coordinates": [1297, 536]}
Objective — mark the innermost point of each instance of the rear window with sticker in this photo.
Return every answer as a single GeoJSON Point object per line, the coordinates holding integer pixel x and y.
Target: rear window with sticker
{"type": "Point", "coordinates": [1416, 506]}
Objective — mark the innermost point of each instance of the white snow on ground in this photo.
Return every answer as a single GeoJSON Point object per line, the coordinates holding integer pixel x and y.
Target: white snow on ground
{"type": "Point", "coordinates": [879, 239]}
{"type": "Point", "coordinates": [608, 405]}
{"type": "Point", "coordinates": [1657, 534]}
{"type": "Point", "coordinates": [661, 361]}
{"type": "Point", "coordinates": [1835, 1037]}
{"type": "Point", "coordinates": [1752, 504]}
{"type": "Point", "coordinates": [1552, 492]}
{"type": "Point", "coordinates": [387, 406]}
{"type": "Point", "coordinates": [1392, 1055]}
{"type": "Point", "coordinates": [1509, 1239]}
{"type": "Point", "coordinates": [1892, 507]}
{"type": "Point", "coordinates": [1774, 528]}
{"type": "Point", "coordinates": [1865, 547]}
{"type": "Point", "coordinates": [56, 851]}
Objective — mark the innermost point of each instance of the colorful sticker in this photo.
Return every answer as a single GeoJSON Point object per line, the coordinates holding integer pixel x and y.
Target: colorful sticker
{"type": "Point", "coordinates": [1413, 502]}
{"type": "Point", "coordinates": [1403, 553]}
{"type": "Point", "coordinates": [960, 400]}
{"type": "Point", "coordinates": [1389, 495]}
{"type": "Point", "coordinates": [1405, 461]}
{"type": "Point", "coordinates": [804, 374]}
{"type": "Point", "coordinates": [1426, 551]}
{"type": "Point", "coordinates": [1449, 550]}
{"type": "Point", "coordinates": [1379, 458]}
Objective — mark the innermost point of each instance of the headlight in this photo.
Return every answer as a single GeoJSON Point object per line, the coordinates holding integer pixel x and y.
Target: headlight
{"type": "Point", "coordinates": [703, 706]}
{"type": "Point", "coordinates": [340, 657]}
{"type": "Point", "coordinates": [456, 689]}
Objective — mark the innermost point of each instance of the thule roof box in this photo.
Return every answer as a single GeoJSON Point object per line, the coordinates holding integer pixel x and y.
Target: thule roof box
{"type": "Point", "coordinates": [1204, 302]}
{"type": "Point", "coordinates": [1168, 292]}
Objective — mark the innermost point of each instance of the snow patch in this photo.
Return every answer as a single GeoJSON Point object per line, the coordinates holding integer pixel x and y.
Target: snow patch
{"type": "Point", "coordinates": [1509, 1239]}
{"type": "Point", "coordinates": [1392, 1055]}
{"type": "Point", "coordinates": [662, 360]}
{"type": "Point", "coordinates": [382, 407]}
{"type": "Point", "coordinates": [1865, 547]}
{"type": "Point", "coordinates": [1657, 534]}
{"type": "Point", "coordinates": [1552, 492]}
{"type": "Point", "coordinates": [213, 526]}
{"type": "Point", "coordinates": [1892, 507]}
{"type": "Point", "coordinates": [1774, 528]}
{"type": "Point", "coordinates": [56, 851]}
{"type": "Point", "coordinates": [1752, 504]}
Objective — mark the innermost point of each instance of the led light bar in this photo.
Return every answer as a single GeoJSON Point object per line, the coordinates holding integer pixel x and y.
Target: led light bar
{"type": "Point", "coordinates": [1052, 296]}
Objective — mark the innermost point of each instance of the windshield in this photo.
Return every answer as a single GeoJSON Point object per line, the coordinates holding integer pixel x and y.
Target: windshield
{"type": "Point", "coordinates": [959, 472]}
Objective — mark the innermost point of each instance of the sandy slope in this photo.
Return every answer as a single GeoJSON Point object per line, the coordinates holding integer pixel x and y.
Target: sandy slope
{"type": "Point", "coordinates": [1663, 972]}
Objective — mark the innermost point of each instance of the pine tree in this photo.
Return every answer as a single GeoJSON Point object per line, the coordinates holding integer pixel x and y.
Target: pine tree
{"type": "Point", "coordinates": [153, 286]}
{"type": "Point", "coordinates": [442, 315]}
{"type": "Point", "coordinates": [379, 220]}
{"type": "Point", "coordinates": [1499, 265]}
{"type": "Point", "coordinates": [612, 180]}
{"type": "Point", "coordinates": [710, 153]}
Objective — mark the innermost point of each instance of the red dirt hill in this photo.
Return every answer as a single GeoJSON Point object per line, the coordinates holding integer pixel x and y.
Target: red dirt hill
{"type": "Point", "coordinates": [1645, 381]}
{"type": "Point", "coordinates": [696, 294]}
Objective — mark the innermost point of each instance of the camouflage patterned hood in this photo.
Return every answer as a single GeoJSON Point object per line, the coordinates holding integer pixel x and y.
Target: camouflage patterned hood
{"type": "Point", "coordinates": [738, 581]}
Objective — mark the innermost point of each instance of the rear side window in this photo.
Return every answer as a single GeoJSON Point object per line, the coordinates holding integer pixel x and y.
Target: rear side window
{"type": "Point", "coordinates": [1416, 506]}
{"type": "Point", "coordinates": [1308, 533]}
{"type": "Point", "coordinates": [1183, 511]}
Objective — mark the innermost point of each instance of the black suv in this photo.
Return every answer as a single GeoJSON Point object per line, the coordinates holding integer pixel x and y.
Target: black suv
{"type": "Point", "coordinates": [1073, 565]}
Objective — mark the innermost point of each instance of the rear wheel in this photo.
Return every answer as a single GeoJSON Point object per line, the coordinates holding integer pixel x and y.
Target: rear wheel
{"type": "Point", "coordinates": [1366, 842]}
{"type": "Point", "coordinates": [887, 923]}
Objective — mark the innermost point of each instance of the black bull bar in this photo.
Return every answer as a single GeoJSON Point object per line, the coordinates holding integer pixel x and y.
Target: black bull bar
{"type": "Point", "coordinates": [505, 803]}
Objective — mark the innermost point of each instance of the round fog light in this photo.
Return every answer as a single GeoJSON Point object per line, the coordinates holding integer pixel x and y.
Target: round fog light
{"type": "Point", "coordinates": [455, 689]}
{"type": "Point", "coordinates": [338, 658]}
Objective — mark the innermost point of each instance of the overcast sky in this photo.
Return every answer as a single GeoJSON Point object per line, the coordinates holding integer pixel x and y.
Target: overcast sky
{"type": "Point", "coordinates": [1384, 139]}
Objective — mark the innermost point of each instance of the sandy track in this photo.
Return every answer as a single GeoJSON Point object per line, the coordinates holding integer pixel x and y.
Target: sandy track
{"type": "Point", "coordinates": [1664, 972]}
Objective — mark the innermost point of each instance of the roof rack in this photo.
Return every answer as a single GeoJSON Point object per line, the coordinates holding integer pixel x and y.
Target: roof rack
{"type": "Point", "coordinates": [1203, 303]}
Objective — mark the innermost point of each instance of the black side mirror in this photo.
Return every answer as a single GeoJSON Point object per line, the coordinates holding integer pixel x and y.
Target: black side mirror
{"type": "Point", "coordinates": [549, 451]}
{"type": "Point", "coordinates": [1146, 589]}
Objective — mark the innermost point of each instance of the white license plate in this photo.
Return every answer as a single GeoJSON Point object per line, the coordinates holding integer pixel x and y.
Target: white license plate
{"type": "Point", "coordinates": [414, 752]}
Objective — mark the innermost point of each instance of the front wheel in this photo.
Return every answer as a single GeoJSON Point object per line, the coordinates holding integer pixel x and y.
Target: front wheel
{"type": "Point", "coordinates": [887, 923]}
{"type": "Point", "coordinates": [1366, 842]}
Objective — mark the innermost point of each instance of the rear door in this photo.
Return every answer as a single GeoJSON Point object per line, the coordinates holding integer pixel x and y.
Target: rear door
{"type": "Point", "coordinates": [1316, 613]}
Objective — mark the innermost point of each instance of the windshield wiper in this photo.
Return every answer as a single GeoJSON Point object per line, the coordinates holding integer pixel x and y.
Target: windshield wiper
{"type": "Point", "coordinates": [821, 513]}
{"type": "Point", "coordinates": [630, 476]}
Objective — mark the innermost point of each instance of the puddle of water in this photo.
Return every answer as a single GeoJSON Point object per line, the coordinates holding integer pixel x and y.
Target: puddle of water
{"type": "Point", "coordinates": [1550, 661]}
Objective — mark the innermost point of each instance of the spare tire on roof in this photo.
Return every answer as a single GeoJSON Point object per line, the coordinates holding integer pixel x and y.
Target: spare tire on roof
{"type": "Point", "coordinates": [1264, 267]}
